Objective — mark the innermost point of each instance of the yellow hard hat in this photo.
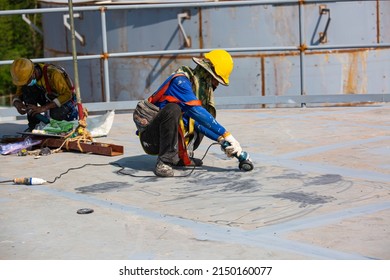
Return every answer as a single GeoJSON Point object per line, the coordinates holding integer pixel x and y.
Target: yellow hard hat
{"type": "Point", "coordinates": [21, 71]}
{"type": "Point", "coordinates": [221, 65]}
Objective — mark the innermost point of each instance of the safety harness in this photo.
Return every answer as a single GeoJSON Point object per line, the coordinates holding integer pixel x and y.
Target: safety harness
{"type": "Point", "coordinates": [160, 96]}
{"type": "Point", "coordinates": [63, 72]}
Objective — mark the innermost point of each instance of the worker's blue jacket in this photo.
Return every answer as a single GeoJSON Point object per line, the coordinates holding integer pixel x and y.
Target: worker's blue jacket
{"type": "Point", "coordinates": [180, 88]}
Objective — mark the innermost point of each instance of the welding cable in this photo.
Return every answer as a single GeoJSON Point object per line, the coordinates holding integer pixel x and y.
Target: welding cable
{"type": "Point", "coordinates": [122, 168]}
{"type": "Point", "coordinates": [7, 181]}
{"type": "Point", "coordinates": [120, 171]}
{"type": "Point", "coordinates": [76, 168]}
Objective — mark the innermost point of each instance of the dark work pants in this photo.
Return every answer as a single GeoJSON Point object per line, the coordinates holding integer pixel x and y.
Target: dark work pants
{"type": "Point", "coordinates": [161, 136]}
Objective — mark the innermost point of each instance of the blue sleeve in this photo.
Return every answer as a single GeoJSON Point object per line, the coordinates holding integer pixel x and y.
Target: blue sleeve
{"type": "Point", "coordinates": [208, 133]}
{"type": "Point", "coordinates": [205, 123]}
{"type": "Point", "coordinates": [181, 88]}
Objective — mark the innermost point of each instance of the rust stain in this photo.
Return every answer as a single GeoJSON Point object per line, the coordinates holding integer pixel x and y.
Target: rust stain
{"type": "Point", "coordinates": [326, 57]}
{"type": "Point", "coordinates": [350, 85]}
{"type": "Point", "coordinates": [303, 47]}
{"type": "Point", "coordinates": [355, 72]}
{"type": "Point", "coordinates": [104, 56]}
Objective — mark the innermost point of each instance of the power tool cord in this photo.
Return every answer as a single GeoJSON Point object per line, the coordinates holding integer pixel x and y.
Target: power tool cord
{"type": "Point", "coordinates": [120, 171]}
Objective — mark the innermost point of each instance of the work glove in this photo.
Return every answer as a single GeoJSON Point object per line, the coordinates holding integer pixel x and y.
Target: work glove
{"type": "Point", "coordinates": [234, 148]}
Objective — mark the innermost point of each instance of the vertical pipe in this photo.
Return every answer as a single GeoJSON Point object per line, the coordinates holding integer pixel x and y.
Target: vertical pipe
{"type": "Point", "coordinates": [262, 73]}
{"type": "Point", "coordinates": [105, 54]}
{"type": "Point", "coordinates": [378, 23]}
{"type": "Point", "coordinates": [302, 48]}
{"type": "Point", "coordinates": [200, 28]}
{"type": "Point", "coordinates": [75, 66]}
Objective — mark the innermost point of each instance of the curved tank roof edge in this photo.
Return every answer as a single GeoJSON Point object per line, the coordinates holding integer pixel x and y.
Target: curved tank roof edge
{"type": "Point", "coordinates": [115, 2]}
{"type": "Point", "coordinates": [66, 1]}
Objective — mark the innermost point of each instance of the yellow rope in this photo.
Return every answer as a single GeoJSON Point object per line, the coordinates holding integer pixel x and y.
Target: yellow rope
{"type": "Point", "coordinates": [83, 135]}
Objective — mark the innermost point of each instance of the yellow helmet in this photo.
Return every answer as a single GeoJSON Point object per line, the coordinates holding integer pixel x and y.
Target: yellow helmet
{"type": "Point", "coordinates": [221, 65]}
{"type": "Point", "coordinates": [21, 71]}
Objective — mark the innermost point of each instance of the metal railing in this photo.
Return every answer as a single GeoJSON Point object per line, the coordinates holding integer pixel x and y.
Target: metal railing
{"type": "Point", "coordinates": [302, 49]}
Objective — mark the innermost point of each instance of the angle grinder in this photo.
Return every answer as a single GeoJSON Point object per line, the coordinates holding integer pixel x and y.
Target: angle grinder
{"type": "Point", "coordinates": [244, 161]}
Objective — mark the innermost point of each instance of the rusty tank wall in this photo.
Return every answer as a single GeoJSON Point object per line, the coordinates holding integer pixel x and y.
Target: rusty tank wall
{"type": "Point", "coordinates": [256, 73]}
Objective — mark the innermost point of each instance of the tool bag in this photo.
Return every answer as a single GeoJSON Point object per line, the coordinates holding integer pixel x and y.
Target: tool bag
{"type": "Point", "coordinates": [144, 113]}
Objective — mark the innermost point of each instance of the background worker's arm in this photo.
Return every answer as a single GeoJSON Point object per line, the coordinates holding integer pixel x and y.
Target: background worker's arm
{"type": "Point", "coordinates": [33, 110]}
{"type": "Point", "coordinates": [30, 109]}
{"type": "Point", "coordinates": [20, 107]}
{"type": "Point", "coordinates": [60, 93]}
{"type": "Point", "coordinates": [17, 102]}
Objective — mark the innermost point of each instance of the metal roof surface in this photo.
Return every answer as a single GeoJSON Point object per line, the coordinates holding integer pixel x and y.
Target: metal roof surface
{"type": "Point", "coordinates": [320, 190]}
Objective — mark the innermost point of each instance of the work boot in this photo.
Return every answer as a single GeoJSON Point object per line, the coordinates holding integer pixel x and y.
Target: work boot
{"type": "Point", "coordinates": [194, 162]}
{"type": "Point", "coordinates": [163, 170]}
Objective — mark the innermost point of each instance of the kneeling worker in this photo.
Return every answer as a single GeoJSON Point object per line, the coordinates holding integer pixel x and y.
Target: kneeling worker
{"type": "Point", "coordinates": [43, 88]}
{"type": "Point", "coordinates": [184, 113]}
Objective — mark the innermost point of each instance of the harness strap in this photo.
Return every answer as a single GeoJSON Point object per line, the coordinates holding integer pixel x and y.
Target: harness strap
{"type": "Point", "coordinates": [173, 99]}
{"type": "Point", "coordinates": [48, 88]}
{"type": "Point", "coordinates": [155, 97]}
{"type": "Point", "coordinates": [71, 87]}
{"type": "Point", "coordinates": [70, 83]}
{"type": "Point", "coordinates": [183, 155]}
{"type": "Point", "coordinates": [159, 96]}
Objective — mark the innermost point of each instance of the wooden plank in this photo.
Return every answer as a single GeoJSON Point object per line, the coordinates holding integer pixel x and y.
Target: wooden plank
{"type": "Point", "coordinates": [90, 147]}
